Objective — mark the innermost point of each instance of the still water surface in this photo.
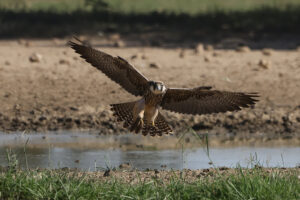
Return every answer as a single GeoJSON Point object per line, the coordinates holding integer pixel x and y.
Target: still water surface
{"type": "Point", "coordinates": [50, 156]}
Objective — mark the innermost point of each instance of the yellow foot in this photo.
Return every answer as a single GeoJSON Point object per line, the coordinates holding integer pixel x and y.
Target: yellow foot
{"type": "Point", "coordinates": [142, 122]}
{"type": "Point", "coordinates": [153, 124]}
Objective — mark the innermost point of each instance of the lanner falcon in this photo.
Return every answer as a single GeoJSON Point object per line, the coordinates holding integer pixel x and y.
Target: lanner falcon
{"type": "Point", "coordinates": [143, 115]}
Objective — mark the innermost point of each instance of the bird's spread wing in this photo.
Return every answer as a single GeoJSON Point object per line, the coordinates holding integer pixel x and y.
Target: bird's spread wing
{"type": "Point", "coordinates": [116, 68]}
{"type": "Point", "coordinates": [204, 101]}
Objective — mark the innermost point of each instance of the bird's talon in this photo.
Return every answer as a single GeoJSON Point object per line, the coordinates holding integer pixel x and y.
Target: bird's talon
{"type": "Point", "coordinates": [153, 124]}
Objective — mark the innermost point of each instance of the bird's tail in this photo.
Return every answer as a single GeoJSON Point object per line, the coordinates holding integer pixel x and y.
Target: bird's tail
{"type": "Point", "coordinates": [160, 127]}
{"type": "Point", "coordinates": [124, 112]}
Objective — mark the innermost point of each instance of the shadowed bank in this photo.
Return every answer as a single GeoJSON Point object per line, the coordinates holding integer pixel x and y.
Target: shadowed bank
{"type": "Point", "coordinates": [154, 28]}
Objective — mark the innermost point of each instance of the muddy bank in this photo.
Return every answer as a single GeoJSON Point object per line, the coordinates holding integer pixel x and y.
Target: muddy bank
{"type": "Point", "coordinates": [260, 124]}
{"type": "Point", "coordinates": [132, 176]}
{"type": "Point", "coordinates": [45, 86]}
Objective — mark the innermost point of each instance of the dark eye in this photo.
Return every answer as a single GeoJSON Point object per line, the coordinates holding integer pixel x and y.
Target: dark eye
{"type": "Point", "coordinates": [151, 84]}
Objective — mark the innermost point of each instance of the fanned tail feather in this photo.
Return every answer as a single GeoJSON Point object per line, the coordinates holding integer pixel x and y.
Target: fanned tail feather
{"type": "Point", "coordinates": [123, 112]}
{"type": "Point", "coordinates": [161, 127]}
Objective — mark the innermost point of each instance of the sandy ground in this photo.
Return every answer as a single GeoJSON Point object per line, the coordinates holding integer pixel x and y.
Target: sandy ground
{"type": "Point", "coordinates": [61, 91]}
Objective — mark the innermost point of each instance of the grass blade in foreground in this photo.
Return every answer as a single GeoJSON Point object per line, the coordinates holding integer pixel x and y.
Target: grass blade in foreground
{"type": "Point", "coordinates": [186, 184]}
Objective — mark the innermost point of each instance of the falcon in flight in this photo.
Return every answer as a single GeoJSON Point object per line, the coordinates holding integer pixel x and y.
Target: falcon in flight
{"type": "Point", "coordinates": [143, 115]}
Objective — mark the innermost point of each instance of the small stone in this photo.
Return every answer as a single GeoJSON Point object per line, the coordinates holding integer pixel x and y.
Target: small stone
{"type": "Point", "coordinates": [216, 54]}
{"type": "Point", "coordinates": [74, 108]}
{"type": "Point", "coordinates": [7, 63]}
{"type": "Point", "coordinates": [206, 58]}
{"type": "Point", "coordinates": [77, 161]}
{"type": "Point", "coordinates": [7, 94]}
{"type": "Point", "coordinates": [154, 65]}
{"type": "Point", "coordinates": [35, 57]}
{"type": "Point", "coordinates": [125, 166]}
{"type": "Point", "coordinates": [144, 57]}
{"type": "Point", "coordinates": [64, 62]}
{"type": "Point", "coordinates": [17, 107]}
{"type": "Point", "coordinates": [243, 49]}
{"type": "Point", "coordinates": [119, 43]}
{"type": "Point", "coordinates": [27, 44]}
{"type": "Point", "coordinates": [264, 64]}
{"type": "Point", "coordinates": [206, 170]}
{"type": "Point", "coordinates": [267, 52]}
{"type": "Point", "coordinates": [42, 118]}
{"type": "Point", "coordinates": [114, 36]}
{"type": "Point", "coordinates": [135, 56]}
{"type": "Point", "coordinates": [209, 47]}
{"type": "Point", "coordinates": [199, 48]}
{"type": "Point", "coordinates": [106, 173]}
{"type": "Point", "coordinates": [223, 168]}
{"type": "Point", "coordinates": [182, 53]}
{"type": "Point", "coordinates": [266, 118]}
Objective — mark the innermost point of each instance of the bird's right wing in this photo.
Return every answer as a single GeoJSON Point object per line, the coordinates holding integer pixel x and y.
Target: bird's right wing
{"type": "Point", "coordinates": [204, 101]}
{"type": "Point", "coordinates": [116, 68]}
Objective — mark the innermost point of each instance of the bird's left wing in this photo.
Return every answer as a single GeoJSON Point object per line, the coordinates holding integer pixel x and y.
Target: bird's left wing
{"type": "Point", "coordinates": [201, 100]}
{"type": "Point", "coordinates": [116, 68]}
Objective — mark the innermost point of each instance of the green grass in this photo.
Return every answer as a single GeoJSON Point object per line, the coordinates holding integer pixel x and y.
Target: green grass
{"type": "Point", "coordinates": [194, 6]}
{"type": "Point", "coordinates": [58, 6]}
{"type": "Point", "coordinates": [146, 6]}
{"type": "Point", "coordinates": [244, 184]}
{"type": "Point", "coordinates": [255, 183]}
{"type": "Point", "coordinates": [194, 20]}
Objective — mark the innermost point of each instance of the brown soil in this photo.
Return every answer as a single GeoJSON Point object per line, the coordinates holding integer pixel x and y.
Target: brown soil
{"type": "Point", "coordinates": [61, 91]}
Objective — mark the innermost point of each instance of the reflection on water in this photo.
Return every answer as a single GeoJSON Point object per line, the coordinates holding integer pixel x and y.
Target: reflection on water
{"type": "Point", "coordinates": [175, 159]}
{"type": "Point", "coordinates": [92, 159]}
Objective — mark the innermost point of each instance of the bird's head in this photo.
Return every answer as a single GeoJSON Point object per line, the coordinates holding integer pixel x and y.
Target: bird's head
{"type": "Point", "coordinates": [157, 87]}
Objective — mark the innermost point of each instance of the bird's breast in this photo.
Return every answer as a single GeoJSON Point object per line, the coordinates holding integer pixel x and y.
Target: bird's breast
{"type": "Point", "coordinates": [153, 100]}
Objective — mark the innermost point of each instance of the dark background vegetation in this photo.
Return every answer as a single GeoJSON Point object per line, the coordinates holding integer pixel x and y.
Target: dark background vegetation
{"type": "Point", "coordinates": [173, 21]}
